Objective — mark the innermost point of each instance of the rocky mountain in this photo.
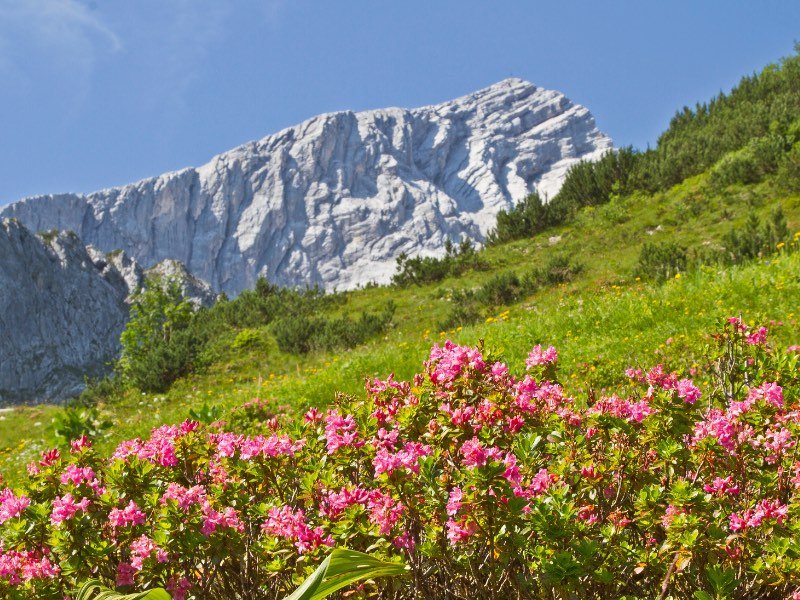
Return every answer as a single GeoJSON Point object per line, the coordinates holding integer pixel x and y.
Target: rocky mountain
{"type": "Point", "coordinates": [63, 306]}
{"type": "Point", "coordinates": [62, 310]}
{"type": "Point", "coordinates": [334, 200]}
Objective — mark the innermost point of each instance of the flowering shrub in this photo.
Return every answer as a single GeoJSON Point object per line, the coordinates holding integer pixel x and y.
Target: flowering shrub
{"type": "Point", "coordinates": [486, 483]}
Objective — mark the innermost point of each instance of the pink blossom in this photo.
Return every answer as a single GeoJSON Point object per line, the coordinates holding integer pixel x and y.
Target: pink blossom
{"type": "Point", "coordinates": [405, 541]}
{"type": "Point", "coordinates": [537, 356]}
{"type": "Point", "coordinates": [586, 513]}
{"type": "Point", "coordinates": [340, 432]}
{"type": "Point", "coordinates": [11, 506]}
{"type": "Point", "coordinates": [212, 519]}
{"type": "Point", "coordinates": [407, 458]}
{"type": "Point", "coordinates": [334, 503]}
{"type": "Point", "coordinates": [499, 371]}
{"type": "Point", "coordinates": [687, 391]}
{"type": "Point", "coordinates": [125, 573]}
{"type": "Point", "coordinates": [291, 525]}
{"type": "Point", "coordinates": [185, 497]}
{"type": "Point", "coordinates": [720, 487]}
{"type": "Point", "coordinates": [454, 501]}
{"type": "Point", "coordinates": [757, 337]}
{"type": "Point", "coordinates": [128, 516]}
{"type": "Point", "coordinates": [460, 531]}
{"type": "Point", "coordinates": [451, 361]}
{"type": "Point", "coordinates": [771, 393]}
{"type": "Point", "coordinates": [384, 510]}
{"type": "Point", "coordinates": [475, 455]}
{"type": "Point", "coordinates": [178, 587]}
{"type": "Point", "coordinates": [64, 508]}
{"type": "Point", "coordinates": [80, 444]}
{"type": "Point", "coordinates": [142, 548]}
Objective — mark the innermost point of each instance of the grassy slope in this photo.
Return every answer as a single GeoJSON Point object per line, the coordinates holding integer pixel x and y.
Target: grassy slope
{"type": "Point", "coordinates": [601, 322]}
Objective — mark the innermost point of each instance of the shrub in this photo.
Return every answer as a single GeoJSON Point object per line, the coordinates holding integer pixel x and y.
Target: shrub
{"type": "Point", "coordinates": [661, 261]}
{"type": "Point", "coordinates": [427, 269]}
{"type": "Point", "coordinates": [301, 334]}
{"type": "Point", "coordinates": [157, 343]}
{"type": "Point", "coordinates": [487, 484]}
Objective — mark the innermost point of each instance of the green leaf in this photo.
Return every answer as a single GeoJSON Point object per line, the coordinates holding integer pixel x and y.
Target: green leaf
{"type": "Point", "coordinates": [94, 590]}
{"type": "Point", "coordinates": [701, 595]}
{"type": "Point", "coordinates": [341, 568]}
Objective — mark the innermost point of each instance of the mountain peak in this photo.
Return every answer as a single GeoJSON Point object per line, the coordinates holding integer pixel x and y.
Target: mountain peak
{"type": "Point", "coordinates": [334, 200]}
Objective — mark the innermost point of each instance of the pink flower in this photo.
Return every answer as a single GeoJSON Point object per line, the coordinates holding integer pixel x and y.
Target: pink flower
{"type": "Point", "coordinates": [178, 587]}
{"type": "Point", "coordinates": [64, 508]}
{"type": "Point", "coordinates": [771, 393]}
{"type": "Point", "coordinates": [185, 497]}
{"type": "Point", "coordinates": [451, 361]}
{"type": "Point", "coordinates": [384, 510]}
{"type": "Point", "coordinates": [142, 548]}
{"type": "Point", "coordinates": [334, 503]}
{"type": "Point", "coordinates": [212, 519]}
{"type": "Point", "coordinates": [340, 432]}
{"type": "Point", "coordinates": [12, 506]}
{"type": "Point", "coordinates": [291, 525]}
{"type": "Point", "coordinates": [720, 487]}
{"type": "Point", "coordinates": [125, 573]}
{"type": "Point", "coordinates": [757, 337]}
{"type": "Point", "coordinates": [460, 531]}
{"type": "Point", "coordinates": [687, 391]}
{"type": "Point", "coordinates": [407, 458]}
{"type": "Point", "coordinates": [537, 356]}
{"type": "Point", "coordinates": [128, 516]}
{"type": "Point", "coordinates": [82, 443]}
{"type": "Point", "coordinates": [454, 501]}
{"type": "Point", "coordinates": [475, 455]}
{"type": "Point", "coordinates": [312, 416]}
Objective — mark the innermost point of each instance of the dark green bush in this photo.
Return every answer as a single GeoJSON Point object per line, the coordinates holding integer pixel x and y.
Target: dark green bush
{"type": "Point", "coordinates": [300, 334]}
{"type": "Point", "coordinates": [661, 261]}
{"type": "Point", "coordinates": [420, 270]}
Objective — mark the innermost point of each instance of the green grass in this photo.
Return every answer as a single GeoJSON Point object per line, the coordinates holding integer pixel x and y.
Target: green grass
{"type": "Point", "coordinates": [601, 322]}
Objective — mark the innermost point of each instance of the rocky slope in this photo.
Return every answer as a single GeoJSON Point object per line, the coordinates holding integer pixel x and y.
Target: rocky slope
{"type": "Point", "coordinates": [63, 307]}
{"type": "Point", "coordinates": [61, 314]}
{"type": "Point", "coordinates": [333, 201]}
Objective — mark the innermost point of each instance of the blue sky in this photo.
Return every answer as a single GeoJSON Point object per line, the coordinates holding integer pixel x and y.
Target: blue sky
{"type": "Point", "coordinates": [95, 93]}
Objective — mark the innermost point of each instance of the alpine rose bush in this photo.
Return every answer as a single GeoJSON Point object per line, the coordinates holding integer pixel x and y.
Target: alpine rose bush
{"type": "Point", "coordinates": [485, 483]}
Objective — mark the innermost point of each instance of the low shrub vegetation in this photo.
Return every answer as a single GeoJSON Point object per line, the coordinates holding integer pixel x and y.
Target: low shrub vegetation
{"type": "Point", "coordinates": [487, 484]}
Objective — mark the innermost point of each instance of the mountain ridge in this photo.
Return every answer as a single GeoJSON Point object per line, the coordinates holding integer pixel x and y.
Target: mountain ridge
{"type": "Point", "coordinates": [334, 200]}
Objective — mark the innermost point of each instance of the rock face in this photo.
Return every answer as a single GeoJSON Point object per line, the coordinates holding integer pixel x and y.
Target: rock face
{"type": "Point", "coordinates": [61, 314]}
{"type": "Point", "coordinates": [63, 307]}
{"type": "Point", "coordinates": [333, 201]}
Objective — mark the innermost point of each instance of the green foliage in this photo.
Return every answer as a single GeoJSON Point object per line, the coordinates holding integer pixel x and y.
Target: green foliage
{"type": "Point", "coordinates": [300, 334]}
{"type": "Point", "coordinates": [74, 422]}
{"type": "Point", "coordinates": [755, 239]}
{"type": "Point", "coordinates": [427, 269]}
{"type": "Point", "coordinates": [95, 590]}
{"type": "Point", "coordinates": [208, 413]}
{"type": "Point", "coordinates": [503, 289]}
{"type": "Point", "coordinates": [526, 219]}
{"type": "Point", "coordinates": [749, 164]}
{"type": "Point", "coordinates": [158, 345]}
{"type": "Point", "coordinates": [661, 261]}
{"type": "Point", "coordinates": [342, 568]}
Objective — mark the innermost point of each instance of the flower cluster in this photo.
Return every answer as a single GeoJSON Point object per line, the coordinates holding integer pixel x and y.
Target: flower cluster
{"type": "Point", "coordinates": [480, 478]}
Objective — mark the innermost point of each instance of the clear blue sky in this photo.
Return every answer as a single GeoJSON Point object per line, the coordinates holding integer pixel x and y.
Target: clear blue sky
{"type": "Point", "coordinates": [95, 93]}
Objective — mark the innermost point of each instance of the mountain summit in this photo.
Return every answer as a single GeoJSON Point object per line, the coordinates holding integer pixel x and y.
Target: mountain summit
{"type": "Point", "coordinates": [334, 200]}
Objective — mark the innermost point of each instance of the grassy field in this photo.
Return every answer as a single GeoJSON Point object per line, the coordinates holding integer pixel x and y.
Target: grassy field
{"type": "Point", "coordinates": [601, 322]}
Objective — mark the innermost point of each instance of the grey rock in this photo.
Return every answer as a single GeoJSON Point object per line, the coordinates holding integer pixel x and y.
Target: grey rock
{"type": "Point", "coordinates": [195, 290]}
{"type": "Point", "coordinates": [61, 314]}
{"type": "Point", "coordinates": [334, 200]}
